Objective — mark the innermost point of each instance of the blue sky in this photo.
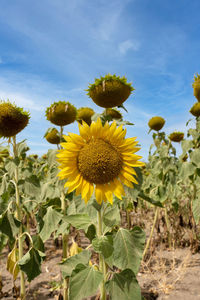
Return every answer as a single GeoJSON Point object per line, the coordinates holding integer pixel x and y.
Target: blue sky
{"type": "Point", "coordinates": [51, 50]}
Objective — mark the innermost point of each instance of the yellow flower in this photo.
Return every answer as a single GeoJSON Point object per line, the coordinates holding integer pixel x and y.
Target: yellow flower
{"type": "Point", "coordinates": [156, 123]}
{"type": "Point", "coordinates": [100, 159]}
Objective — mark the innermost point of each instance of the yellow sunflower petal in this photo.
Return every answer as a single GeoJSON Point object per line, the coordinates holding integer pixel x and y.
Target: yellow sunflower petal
{"type": "Point", "coordinates": [108, 193]}
{"type": "Point", "coordinates": [99, 193]}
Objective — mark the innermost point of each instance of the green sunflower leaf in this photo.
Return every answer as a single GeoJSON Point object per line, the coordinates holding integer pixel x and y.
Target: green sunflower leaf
{"type": "Point", "coordinates": [131, 245]}
{"type": "Point", "coordinates": [124, 286]}
{"type": "Point", "coordinates": [84, 282]}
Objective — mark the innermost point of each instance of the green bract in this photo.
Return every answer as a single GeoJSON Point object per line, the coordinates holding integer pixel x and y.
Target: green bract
{"type": "Point", "coordinates": [156, 123]}
{"type": "Point", "coordinates": [13, 119]}
{"type": "Point", "coordinates": [61, 113]}
{"type": "Point", "coordinates": [110, 91]}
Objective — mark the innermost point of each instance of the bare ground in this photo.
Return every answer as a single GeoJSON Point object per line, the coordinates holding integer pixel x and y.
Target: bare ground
{"type": "Point", "coordinates": [166, 275]}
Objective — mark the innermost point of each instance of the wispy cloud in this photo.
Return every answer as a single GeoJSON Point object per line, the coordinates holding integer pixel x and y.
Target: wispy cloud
{"type": "Point", "coordinates": [128, 45]}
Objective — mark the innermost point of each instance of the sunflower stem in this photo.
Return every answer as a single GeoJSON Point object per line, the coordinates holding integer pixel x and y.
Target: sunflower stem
{"type": "Point", "coordinates": [102, 264]}
{"type": "Point", "coordinates": [19, 217]}
{"type": "Point", "coordinates": [168, 228]}
{"type": "Point", "coordinates": [151, 234]}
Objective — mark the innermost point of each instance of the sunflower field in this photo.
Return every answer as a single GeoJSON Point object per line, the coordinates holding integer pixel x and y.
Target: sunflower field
{"type": "Point", "coordinates": [94, 198]}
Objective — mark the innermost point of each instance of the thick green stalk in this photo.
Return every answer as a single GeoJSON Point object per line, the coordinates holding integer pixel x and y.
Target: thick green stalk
{"type": "Point", "coordinates": [151, 234]}
{"type": "Point", "coordinates": [102, 264]}
{"type": "Point", "coordinates": [19, 216]}
{"type": "Point", "coordinates": [64, 235]}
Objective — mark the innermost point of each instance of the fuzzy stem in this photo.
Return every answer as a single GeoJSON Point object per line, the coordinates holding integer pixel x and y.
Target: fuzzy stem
{"type": "Point", "coordinates": [168, 228]}
{"type": "Point", "coordinates": [151, 234]}
{"type": "Point", "coordinates": [193, 221]}
{"type": "Point", "coordinates": [102, 264]}
{"type": "Point", "coordinates": [128, 219]}
{"type": "Point", "coordinates": [19, 217]}
{"type": "Point", "coordinates": [64, 235]}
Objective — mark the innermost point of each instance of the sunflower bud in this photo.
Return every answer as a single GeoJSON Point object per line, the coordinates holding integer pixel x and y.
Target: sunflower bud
{"type": "Point", "coordinates": [13, 119]}
{"type": "Point", "coordinates": [113, 113]}
{"type": "Point", "coordinates": [176, 136]}
{"type": "Point", "coordinates": [85, 114]}
{"type": "Point", "coordinates": [156, 123]}
{"type": "Point", "coordinates": [52, 136]}
{"type": "Point", "coordinates": [195, 110]}
{"type": "Point", "coordinates": [110, 91]}
{"type": "Point", "coordinates": [196, 87]}
{"type": "Point", "coordinates": [61, 113]}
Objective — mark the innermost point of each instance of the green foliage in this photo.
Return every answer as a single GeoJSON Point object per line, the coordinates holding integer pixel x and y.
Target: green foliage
{"type": "Point", "coordinates": [84, 281]}
{"type": "Point", "coordinates": [131, 244]}
{"type": "Point", "coordinates": [31, 263]}
{"type": "Point", "coordinates": [124, 286]}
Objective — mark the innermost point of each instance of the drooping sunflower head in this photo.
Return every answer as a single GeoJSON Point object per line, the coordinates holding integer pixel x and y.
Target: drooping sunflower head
{"type": "Point", "coordinates": [99, 159]}
{"type": "Point", "coordinates": [61, 113]}
{"type": "Point", "coordinates": [13, 119]}
{"type": "Point", "coordinates": [156, 123]}
{"type": "Point", "coordinates": [113, 113]}
{"type": "Point", "coordinates": [195, 110]}
{"type": "Point", "coordinates": [176, 136]}
{"type": "Point", "coordinates": [196, 86]}
{"type": "Point", "coordinates": [85, 114]}
{"type": "Point", "coordinates": [52, 136]}
{"type": "Point", "coordinates": [109, 91]}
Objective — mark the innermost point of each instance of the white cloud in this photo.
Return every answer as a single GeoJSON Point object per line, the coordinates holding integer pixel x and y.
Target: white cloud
{"type": "Point", "coordinates": [128, 45]}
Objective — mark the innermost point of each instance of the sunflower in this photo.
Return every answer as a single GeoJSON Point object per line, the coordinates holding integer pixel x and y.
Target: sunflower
{"type": "Point", "coordinates": [113, 113]}
{"type": "Point", "coordinates": [85, 114]}
{"type": "Point", "coordinates": [176, 136]}
{"type": "Point", "coordinates": [13, 119]}
{"type": "Point", "coordinates": [195, 110]}
{"type": "Point", "coordinates": [52, 136]}
{"type": "Point", "coordinates": [100, 159]}
{"type": "Point", "coordinates": [196, 87]}
{"type": "Point", "coordinates": [110, 91]}
{"type": "Point", "coordinates": [61, 113]}
{"type": "Point", "coordinates": [156, 123]}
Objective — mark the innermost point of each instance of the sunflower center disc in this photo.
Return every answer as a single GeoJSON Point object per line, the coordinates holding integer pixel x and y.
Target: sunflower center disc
{"type": "Point", "coordinates": [99, 162]}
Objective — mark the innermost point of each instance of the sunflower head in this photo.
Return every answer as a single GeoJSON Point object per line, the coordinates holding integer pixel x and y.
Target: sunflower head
{"type": "Point", "coordinates": [113, 113]}
{"type": "Point", "coordinates": [156, 123]}
{"type": "Point", "coordinates": [44, 156]}
{"type": "Point", "coordinates": [13, 119]}
{"type": "Point", "coordinates": [99, 159]}
{"type": "Point", "coordinates": [61, 113]}
{"type": "Point", "coordinates": [195, 110]}
{"type": "Point", "coordinates": [52, 136]}
{"type": "Point", "coordinates": [109, 91]}
{"type": "Point", "coordinates": [35, 156]}
{"type": "Point", "coordinates": [176, 136]}
{"type": "Point", "coordinates": [196, 86]}
{"type": "Point", "coordinates": [85, 114]}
